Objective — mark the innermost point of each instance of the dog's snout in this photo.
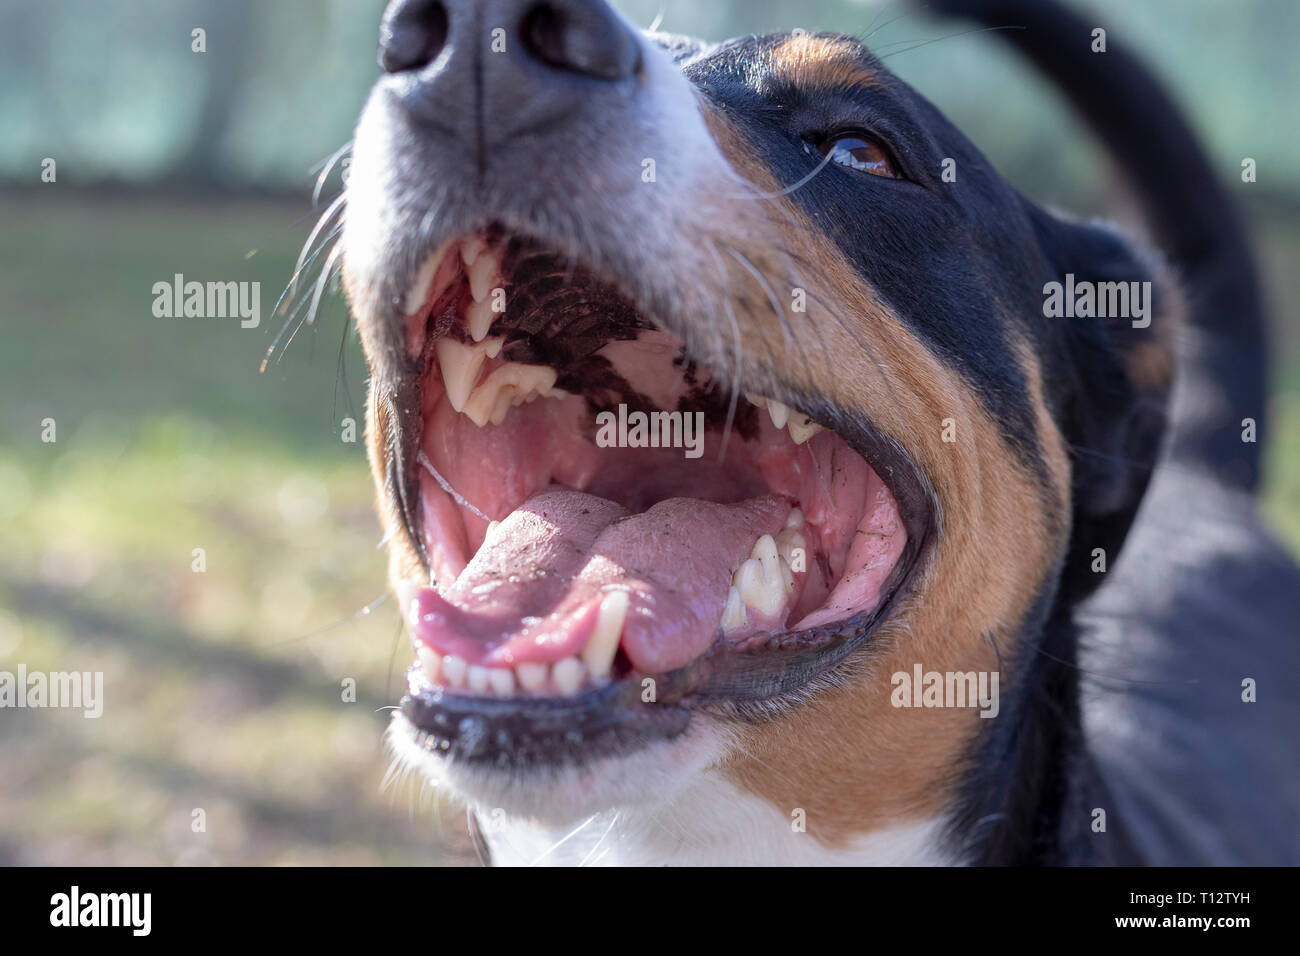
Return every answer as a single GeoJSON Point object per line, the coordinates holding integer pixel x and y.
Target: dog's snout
{"type": "Point", "coordinates": [412, 35]}
{"type": "Point", "coordinates": [580, 36]}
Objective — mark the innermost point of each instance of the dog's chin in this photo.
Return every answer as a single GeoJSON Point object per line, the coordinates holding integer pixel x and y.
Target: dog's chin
{"type": "Point", "coordinates": [565, 793]}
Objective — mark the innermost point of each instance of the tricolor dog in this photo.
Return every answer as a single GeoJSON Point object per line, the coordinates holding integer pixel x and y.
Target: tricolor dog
{"type": "Point", "coordinates": [956, 577]}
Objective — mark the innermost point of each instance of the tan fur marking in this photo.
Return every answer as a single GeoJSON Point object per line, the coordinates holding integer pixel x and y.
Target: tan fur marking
{"type": "Point", "coordinates": [811, 62]}
{"type": "Point", "coordinates": [853, 761]}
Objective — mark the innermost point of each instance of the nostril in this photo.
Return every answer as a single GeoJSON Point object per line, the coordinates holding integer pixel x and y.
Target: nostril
{"type": "Point", "coordinates": [582, 37]}
{"type": "Point", "coordinates": [412, 35]}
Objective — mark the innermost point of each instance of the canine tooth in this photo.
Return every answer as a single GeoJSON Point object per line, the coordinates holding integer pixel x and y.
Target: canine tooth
{"type": "Point", "coordinates": [601, 647]}
{"type": "Point", "coordinates": [780, 414]}
{"type": "Point", "coordinates": [478, 678]}
{"type": "Point", "coordinates": [502, 680]}
{"type": "Point", "coordinates": [429, 663]}
{"type": "Point", "coordinates": [492, 347]}
{"type": "Point", "coordinates": [470, 250]}
{"type": "Point", "coordinates": [568, 675]}
{"type": "Point", "coordinates": [492, 526]}
{"type": "Point", "coordinates": [765, 552]}
{"type": "Point", "coordinates": [733, 615]}
{"type": "Point", "coordinates": [453, 670]}
{"type": "Point", "coordinates": [482, 276]}
{"type": "Point", "coordinates": [479, 319]}
{"type": "Point", "coordinates": [531, 676]}
{"type": "Point", "coordinates": [460, 365]}
{"type": "Point", "coordinates": [802, 427]}
{"type": "Point", "coordinates": [756, 590]}
{"type": "Point", "coordinates": [756, 399]}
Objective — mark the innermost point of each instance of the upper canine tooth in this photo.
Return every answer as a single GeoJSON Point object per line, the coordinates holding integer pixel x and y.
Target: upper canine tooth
{"type": "Point", "coordinates": [780, 413]}
{"type": "Point", "coordinates": [601, 647]}
{"type": "Point", "coordinates": [755, 399]}
{"type": "Point", "coordinates": [460, 365]}
{"type": "Point", "coordinates": [470, 250]}
{"type": "Point", "coordinates": [482, 276]}
{"type": "Point", "coordinates": [479, 319]}
{"type": "Point", "coordinates": [802, 428]}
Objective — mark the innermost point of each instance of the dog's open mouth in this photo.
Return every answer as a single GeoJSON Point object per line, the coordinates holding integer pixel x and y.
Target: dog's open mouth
{"type": "Point", "coordinates": [596, 508]}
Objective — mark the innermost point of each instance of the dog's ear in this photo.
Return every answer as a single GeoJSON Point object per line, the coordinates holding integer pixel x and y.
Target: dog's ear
{"type": "Point", "coordinates": [1110, 377]}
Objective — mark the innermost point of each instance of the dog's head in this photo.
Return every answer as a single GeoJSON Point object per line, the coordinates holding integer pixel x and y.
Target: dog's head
{"type": "Point", "coordinates": [884, 449]}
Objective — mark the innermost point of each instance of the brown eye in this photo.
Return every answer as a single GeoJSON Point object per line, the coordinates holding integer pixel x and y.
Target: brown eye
{"type": "Point", "coordinates": [857, 152]}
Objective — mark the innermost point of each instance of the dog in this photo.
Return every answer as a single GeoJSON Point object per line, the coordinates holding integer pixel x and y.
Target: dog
{"type": "Point", "coordinates": [766, 481]}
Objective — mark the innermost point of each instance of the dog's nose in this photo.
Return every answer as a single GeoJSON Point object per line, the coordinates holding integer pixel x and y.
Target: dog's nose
{"type": "Point", "coordinates": [567, 37]}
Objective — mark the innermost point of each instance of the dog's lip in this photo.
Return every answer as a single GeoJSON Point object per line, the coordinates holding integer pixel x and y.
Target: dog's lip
{"type": "Point", "coordinates": [724, 680]}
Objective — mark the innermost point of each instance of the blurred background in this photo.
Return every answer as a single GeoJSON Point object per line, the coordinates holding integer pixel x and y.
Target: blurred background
{"type": "Point", "coordinates": [224, 688]}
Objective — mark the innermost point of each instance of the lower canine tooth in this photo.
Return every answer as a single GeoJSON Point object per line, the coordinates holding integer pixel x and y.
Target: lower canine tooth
{"type": "Point", "coordinates": [599, 653]}
{"type": "Point", "coordinates": [568, 675]}
{"type": "Point", "coordinates": [780, 414]}
{"type": "Point", "coordinates": [482, 276]}
{"type": "Point", "coordinates": [502, 681]}
{"type": "Point", "coordinates": [531, 676]}
{"type": "Point", "coordinates": [765, 551]}
{"type": "Point", "coordinates": [733, 615]}
{"type": "Point", "coordinates": [453, 670]}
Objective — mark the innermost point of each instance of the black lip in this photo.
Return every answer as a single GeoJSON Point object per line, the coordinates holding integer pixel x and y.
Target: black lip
{"type": "Point", "coordinates": [725, 682]}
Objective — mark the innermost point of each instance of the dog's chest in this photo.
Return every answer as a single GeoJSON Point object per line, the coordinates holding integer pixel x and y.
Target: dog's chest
{"type": "Point", "coordinates": [713, 824]}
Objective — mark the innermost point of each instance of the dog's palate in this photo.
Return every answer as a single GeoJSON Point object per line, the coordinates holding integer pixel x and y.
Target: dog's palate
{"type": "Point", "coordinates": [559, 563]}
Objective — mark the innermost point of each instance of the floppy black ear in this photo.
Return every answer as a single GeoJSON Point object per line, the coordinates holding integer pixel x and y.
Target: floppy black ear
{"type": "Point", "coordinates": [1111, 375]}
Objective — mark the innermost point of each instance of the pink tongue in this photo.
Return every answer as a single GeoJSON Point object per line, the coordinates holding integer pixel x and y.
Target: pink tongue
{"type": "Point", "coordinates": [532, 592]}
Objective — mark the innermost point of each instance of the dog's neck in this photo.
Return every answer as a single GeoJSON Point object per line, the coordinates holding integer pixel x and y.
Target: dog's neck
{"type": "Point", "coordinates": [712, 823]}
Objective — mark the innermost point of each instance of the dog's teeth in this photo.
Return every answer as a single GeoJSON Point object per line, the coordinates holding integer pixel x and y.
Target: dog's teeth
{"type": "Point", "coordinates": [479, 319]}
{"type": "Point", "coordinates": [478, 678]}
{"type": "Point", "coordinates": [763, 595]}
{"type": "Point", "coordinates": [599, 653]}
{"type": "Point", "coordinates": [460, 366]}
{"type": "Point", "coordinates": [502, 681]}
{"type": "Point", "coordinates": [787, 543]}
{"type": "Point", "coordinates": [733, 615]}
{"type": "Point", "coordinates": [756, 399]}
{"type": "Point", "coordinates": [531, 676]}
{"type": "Point", "coordinates": [795, 519]}
{"type": "Point", "coordinates": [765, 552]}
{"type": "Point", "coordinates": [780, 414]}
{"type": "Point", "coordinates": [509, 384]}
{"type": "Point", "coordinates": [568, 675]}
{"type": "Point", "coordinates": [482, 276]}
{"type": "Point", "coordinates": [492, 526]}
{"type": "Point", "coordinates": [430, 663]}
{"type": "Point", "coordinates": [453, 670]}
{"type": "Point", "coordinates": [470, 250]}
{"type": "Point", "coordinates": [802, 428]}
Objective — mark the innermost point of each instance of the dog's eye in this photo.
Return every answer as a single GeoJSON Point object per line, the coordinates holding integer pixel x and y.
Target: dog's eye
{"type": "Point", "coordinates": [858, 151]}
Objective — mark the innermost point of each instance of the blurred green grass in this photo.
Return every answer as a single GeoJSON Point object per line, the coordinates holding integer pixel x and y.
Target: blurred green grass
{"type": "Point", "coordinates": [222, 688]}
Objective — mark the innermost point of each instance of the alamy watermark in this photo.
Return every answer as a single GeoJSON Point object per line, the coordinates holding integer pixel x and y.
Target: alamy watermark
{"type": "Point", "coordinates": [208, 300]}
{"type": "Point", "coordinates": [946, 689]}
{"type": "Point", "coordinates": [1100, 300]}
{"type": "Point", "coordinates": [651, 430]}
{"type": "Point", "coordinates": [71, 690]}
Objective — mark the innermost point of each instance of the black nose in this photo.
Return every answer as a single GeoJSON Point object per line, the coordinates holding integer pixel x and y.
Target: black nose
{"type": "Point", "coordinates": [583, 37]}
